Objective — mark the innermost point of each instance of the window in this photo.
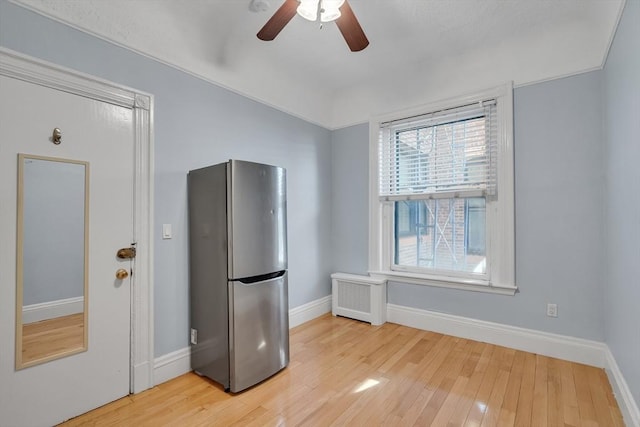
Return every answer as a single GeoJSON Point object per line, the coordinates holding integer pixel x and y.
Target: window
{"type": "Point", "coordinates": [442, 194]}
{"type": "Point", "coordinates": [441, 234]}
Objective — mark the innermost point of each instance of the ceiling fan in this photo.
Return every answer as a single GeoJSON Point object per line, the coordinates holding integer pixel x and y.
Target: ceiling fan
{"type": "Point", "coordinates": [325, 10]}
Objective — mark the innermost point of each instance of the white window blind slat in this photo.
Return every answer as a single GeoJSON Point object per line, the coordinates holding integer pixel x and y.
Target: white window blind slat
{"type": "Point", "coordinates": [441, 195]}
{"type": "Point", "coordinates": [442, 152]}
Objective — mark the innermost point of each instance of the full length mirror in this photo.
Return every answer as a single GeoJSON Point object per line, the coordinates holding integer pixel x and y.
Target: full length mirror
{"type": "Point", "coordinates": [52, 252]}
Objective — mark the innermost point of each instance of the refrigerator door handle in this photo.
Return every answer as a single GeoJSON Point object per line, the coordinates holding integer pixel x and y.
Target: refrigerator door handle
{"type": "Point", "coordinates": [260, 278]}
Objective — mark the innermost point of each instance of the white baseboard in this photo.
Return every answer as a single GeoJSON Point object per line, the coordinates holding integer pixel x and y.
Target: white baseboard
{"type": "Point", "coordinates": [309, 311]}
{"type": "Point", "coordinates": [547, 344]}
{"type": "Point", "coordinates": [171, 365]}
{"type": "Point", "coordinates": [52, 309]}
{"type": "Point", "coordinates": [140, 380]}
{"type": "Point", "coordinates": [626, 402]}
{"type": "Point", "coordinates": [174, 364]}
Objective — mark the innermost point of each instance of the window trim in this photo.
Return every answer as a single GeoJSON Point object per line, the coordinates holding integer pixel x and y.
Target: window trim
{"type": "Point", "coordinates": [500, 233]}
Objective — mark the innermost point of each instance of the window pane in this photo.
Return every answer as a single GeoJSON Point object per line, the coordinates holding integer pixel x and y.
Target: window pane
{"type": "Point", "coordinates": [441, 234]}
{"type": "Point", "coordinates": [441, 157]}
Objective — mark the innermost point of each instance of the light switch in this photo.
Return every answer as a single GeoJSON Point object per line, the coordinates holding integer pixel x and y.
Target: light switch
{"type": "Point", "coordinates": [166, 231]}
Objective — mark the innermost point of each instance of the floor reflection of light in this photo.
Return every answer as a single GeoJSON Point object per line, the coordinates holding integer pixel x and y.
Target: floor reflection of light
{"type": "Point", "coordinates": [262, 345]}
{"type": "Point", "coordinates": [367, 384]}
{"type": "Point", "coordinates": [481, 406]}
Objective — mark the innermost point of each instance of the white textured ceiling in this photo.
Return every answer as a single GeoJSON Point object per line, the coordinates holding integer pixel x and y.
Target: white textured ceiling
{"type": "Point", "coordinates": [420, 51]}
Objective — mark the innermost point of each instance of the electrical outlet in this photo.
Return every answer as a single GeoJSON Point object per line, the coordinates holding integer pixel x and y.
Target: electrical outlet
{"type": "Point", "coordinates": [552, 310]}
{"type": "Point", "coordinates": [194, 336]}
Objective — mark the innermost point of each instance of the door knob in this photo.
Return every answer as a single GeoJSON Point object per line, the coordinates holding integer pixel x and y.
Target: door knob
{"type": "Point", "coordinates": [122, 274]}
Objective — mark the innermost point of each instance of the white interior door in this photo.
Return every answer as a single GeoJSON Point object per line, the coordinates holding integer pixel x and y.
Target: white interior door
{"type": "Point", "coordinates": [103, 135]}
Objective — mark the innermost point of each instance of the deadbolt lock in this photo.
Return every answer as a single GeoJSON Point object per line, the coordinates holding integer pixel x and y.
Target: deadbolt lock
{"type": "Point", "coordinates": [126, 253]}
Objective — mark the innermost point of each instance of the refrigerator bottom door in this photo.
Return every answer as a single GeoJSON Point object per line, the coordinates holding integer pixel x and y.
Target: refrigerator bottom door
{"type": "Point", "coordinates": [259, 330]}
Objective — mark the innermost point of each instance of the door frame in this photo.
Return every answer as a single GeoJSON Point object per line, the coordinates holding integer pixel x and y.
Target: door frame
{"type": "Point", "coordinates": [47, 74]}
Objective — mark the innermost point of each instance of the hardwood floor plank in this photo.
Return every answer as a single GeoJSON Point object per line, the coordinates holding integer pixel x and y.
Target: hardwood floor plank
{"type": "Point", "coordinates": [362, 404]}
{"type": "Point", "coordinates": [457, 397]}
{"type": "Point", "coordinates": [540, 396]}
{"type": "Point", "coordinates": [444, 380]}
{"type": "Point", "coordinates": [413, 382]}
{"type": "Point", "coordinates": [416, 397]}
{"type": "Point", "coordinates": [494, 404]}
{"type": "Point", "coordinates": [525, 401]}
{"type": "Point", "coordinates": [509, 406]}
{"type": "Point", "coordinates": [448, 406]}
{"type": "Point", "coordinates": [570, 412]}
{"type": "Point", "coordinates": [614, 411]}
{"type": "Point", "coordinates": [599, 398]}
{"type": "Point", "coordinates": [473, 385]}
{"type": "Point", "coordinates": [477, 410]}
{"type": "Point", "coordinates": [554, 389]}
{"type": "Point", "coordinates": [348, 373]}
{"type": "Point", "coordinates": [398, 355]}
{"type": "Point", "coordinates": [583, 394]}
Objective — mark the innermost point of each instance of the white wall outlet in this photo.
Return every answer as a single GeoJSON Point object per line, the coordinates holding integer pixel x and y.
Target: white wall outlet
{"type": "Point", "coordinates": [552, 310]}
{"type": "Point", "coordinates": [194, 336]}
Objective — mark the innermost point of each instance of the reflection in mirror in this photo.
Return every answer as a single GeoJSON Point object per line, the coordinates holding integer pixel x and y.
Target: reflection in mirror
{"type": "Point", "coordinates": [52, 251]}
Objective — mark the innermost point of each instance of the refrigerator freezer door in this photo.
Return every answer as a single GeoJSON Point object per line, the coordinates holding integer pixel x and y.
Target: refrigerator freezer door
{"type": "Point", "coordinates": [257, 219]}
{"type": "Point", "coordinates": [259, 330]}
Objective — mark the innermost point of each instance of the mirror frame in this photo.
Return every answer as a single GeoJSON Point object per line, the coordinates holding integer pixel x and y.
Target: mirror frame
{"type": "Point", "coordinates": [20, 263]}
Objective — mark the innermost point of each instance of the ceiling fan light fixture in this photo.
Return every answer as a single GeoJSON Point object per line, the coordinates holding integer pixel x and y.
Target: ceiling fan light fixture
{"type": "Point", "coordinates": [332, 4]}
{"type": "Point", "coordinates": [329, 10]}
{"type": "Point", "coordinates": [329, 14]}
{"type": "Point", "coordinates": [308, 9]}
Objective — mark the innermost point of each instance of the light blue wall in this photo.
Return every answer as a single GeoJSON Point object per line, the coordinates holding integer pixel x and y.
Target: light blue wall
{"type": "Point", "coordinates": [622, 196]}
{"type": "Point", "coordinates": [198, 124]}
{"type": "Point", "coordinates": [349, 201]}
{"type": "Point", "coordinates": [558, 172]}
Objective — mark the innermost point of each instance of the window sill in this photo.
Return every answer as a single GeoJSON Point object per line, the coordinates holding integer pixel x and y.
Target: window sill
{"type": "Point", "coordinates": [445, 282]}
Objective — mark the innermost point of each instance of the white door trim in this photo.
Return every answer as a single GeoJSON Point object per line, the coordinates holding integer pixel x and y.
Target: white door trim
{"type": "Point", "coordinates": [22, 67]}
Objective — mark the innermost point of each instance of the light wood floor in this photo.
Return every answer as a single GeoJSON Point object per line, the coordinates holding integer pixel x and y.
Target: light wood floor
{"type": "Point", "coordinates": [54, 336]}
{"type": "Point", "coordinates": [347, 373]}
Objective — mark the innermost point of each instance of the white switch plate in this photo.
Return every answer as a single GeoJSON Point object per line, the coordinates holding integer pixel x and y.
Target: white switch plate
{"type": "Point", "coordinates": [166, 231]}
{"type": "Point", "coordinates": [552, 310]}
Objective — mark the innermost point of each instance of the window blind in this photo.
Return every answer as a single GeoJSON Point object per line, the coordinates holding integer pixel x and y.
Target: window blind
{"type": "Point", "coordinates": [448, 153]}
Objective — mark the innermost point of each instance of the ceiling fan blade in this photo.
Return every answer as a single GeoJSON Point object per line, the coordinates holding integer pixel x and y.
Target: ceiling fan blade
{"type": "Point", "coordinates": [278, 21]}
{"type": "Point", "coordinates": [350, 28]}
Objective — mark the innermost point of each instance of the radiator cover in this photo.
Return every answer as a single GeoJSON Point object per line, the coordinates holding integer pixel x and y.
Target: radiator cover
{"type": "Point", "coordinates": [359, 297]}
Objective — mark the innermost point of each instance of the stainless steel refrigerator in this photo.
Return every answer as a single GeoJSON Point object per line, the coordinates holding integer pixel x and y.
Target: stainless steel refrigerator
{"type": "Point", "coordinates": [238, 272]}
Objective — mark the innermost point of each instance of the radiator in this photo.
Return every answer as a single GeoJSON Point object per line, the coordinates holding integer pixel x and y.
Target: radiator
{"type": "Point", "coordinates": [359, 297]}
